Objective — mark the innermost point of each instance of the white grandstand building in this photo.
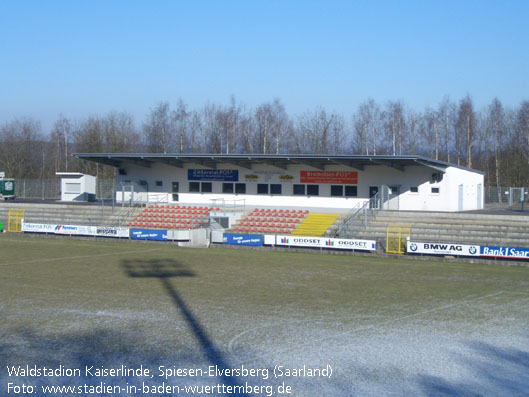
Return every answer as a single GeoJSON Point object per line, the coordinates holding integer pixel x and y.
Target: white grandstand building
{"type": "Point", "coordinates": [317, 181]}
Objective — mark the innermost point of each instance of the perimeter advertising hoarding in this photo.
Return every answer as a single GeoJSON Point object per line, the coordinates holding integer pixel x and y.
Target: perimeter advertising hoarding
{"type": "Point", "coordinates": [148, 234]}
{"type": "Point", "coordinates": [243, 239]}
{"type": "Point", "coordinates": [76, 230]}
{"type": "Point", "coordinates": [504, 252]}
{"type": "Point", "coordinates": [336, 177]}
{"type": "Point", "coordinates": [38, 228]}
{"type": "Point", "coordinates": [328, 243]}
{"type": "Point", "coordinates": [104, 231]}
{"type": "Point", "coordinates": [443, 249]}
{"type": "Point", "coordinates": [212, 175]}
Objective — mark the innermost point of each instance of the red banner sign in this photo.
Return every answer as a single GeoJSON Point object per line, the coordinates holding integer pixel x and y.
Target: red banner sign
{"type": "Point", "coordinates": [338, 177]}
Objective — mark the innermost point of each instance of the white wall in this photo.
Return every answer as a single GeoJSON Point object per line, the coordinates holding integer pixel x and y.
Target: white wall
{"type": "Point", "coordinates": [77, 187]}
{"type": "Point", "coordinates": [413, 176]}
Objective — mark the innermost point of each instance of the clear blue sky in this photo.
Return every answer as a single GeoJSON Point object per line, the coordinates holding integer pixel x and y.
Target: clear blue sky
{"type": "Point", "coordinates": [90, 57]}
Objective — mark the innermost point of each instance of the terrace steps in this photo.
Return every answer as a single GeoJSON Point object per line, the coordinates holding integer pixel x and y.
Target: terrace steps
{"type": "Point", "coordinates": [315, 225]}
{"type": "Point", "coordinates": [462, 228]}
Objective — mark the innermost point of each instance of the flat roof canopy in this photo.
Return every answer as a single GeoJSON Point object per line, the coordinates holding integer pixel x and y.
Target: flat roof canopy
{"type": "Point", "coordinates": [279, 161]}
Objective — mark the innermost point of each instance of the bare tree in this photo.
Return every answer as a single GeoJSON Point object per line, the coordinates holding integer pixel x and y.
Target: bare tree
{"type": "Point", "coordinates": [315, 130]}
{"type": "Point", "coordinates": [361, 123]}
{"type": "Point", "coordinates": [447, 119]}
{"type": "Point", "coordinates": [60, 135]}
{"type": "Point", "coordinates": [21, 149]}
{"type": "Point", "coordinates": [522, 126]}
{"type": "Point", "coordinates": [180, 120]}
{"type": "Point", "coordinates": [496, 124]}
{"type": "Point", "coordinates": [394, 125]}
{"type": "Point", "coordinates": [264, 123]}
{"type": "Point", "coordinates": [431, 119]}
{"type": "Point", "coordinates": [466, 123]}
{"type": "Point", "coordinates": [157, 129]}
{"type": "Point", "coordinates": [413, 124]}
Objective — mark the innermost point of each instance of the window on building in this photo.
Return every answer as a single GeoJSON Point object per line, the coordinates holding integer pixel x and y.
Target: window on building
{"type": "Point", "coordinates": [414, 189]}
{"type": "Point", "coordinates": [299, 190]}
{"type": "Point", "coordinates": [206, 187]}
{"type": "Point", "coordinates": [262, 188]}
{"type": "Point", "coordinates": [159, 183]}
{"type": "Point", "coordinates": [351, 191]}
{"type": "Point", "coordinates": [336, 190]}
{"type": "Point", "coordinates": [435, 190]}
{"type": "Point", "coordinates": [227, 188]}
{"type": "Point", "coordinates": [194, 187]}
{"type": "Point", "coordinates": [313, 190]}
{"type": "Point", "coordinates": [275, 188]}
{"type": "Point", "coordinates": [240, 188]}
{"type": "Point", "coordinates": [73, 188]}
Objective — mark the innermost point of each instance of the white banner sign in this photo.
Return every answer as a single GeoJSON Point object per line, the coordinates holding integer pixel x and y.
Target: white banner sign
{"type": "Point", "coordinates": [105, 231]}
{"type": "Point", "coordinates": [330, 243]}
{"type": "Point", "coordinates": [76, 230]}
{"type": "Point", "coordinates": [38, 228]}
{"type": "Point", "coordinates": [346, 244]}
{"type": "Point", "coordinates": [443, 249]}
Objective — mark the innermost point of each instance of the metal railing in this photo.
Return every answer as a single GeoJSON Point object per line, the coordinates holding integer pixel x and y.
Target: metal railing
{"type": "Point", "coordinates": [229, 205]}
{"type": "Point", "coordinates": [358, 218]}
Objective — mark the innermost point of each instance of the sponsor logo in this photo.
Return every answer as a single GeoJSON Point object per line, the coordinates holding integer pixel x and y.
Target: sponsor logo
{"type": "Point", "coordinates": [306, 240]}
{"type": "Point", "coordinates": [106, 230]}
{"type": "Point", "coordinates": [443, 247]}
{"type": "Point", "coordinates": [413, 247]}
{"type": "Point", "coordinates": [286, 177]}
{"type": "Point", "coordinates": [329, 243]}
{"type": "Point", "coordinates": [60, 228]}
{"type": "Point", "coordinates": [251, 177]}
{"type": "Point", "coordinates": [284, 240]}
{"type": "Point", "coordinates": [472, 250]}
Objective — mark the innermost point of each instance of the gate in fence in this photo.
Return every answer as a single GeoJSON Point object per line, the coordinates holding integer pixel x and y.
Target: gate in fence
{"type": "Point", "coordinates": [396, 238]}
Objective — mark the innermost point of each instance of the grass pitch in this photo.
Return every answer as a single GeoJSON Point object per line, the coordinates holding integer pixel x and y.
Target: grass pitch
{"type": "Point", "coordinates": [380, 326]}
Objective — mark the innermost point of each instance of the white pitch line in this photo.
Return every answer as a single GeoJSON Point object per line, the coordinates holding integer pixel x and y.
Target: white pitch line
{"type": "Point", "coordinates": [78, 257]}
{"type": "Point", "coordinates": [516, 292]}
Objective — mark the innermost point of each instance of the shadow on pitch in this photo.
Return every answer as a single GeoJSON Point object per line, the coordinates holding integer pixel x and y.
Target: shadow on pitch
{"type": "Point", "coordinates": [165, 270]}
{"type": "Point", "coordinates": [495, 371]}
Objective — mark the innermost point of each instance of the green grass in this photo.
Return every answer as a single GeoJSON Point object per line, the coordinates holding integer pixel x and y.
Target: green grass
{"type": "Point", "coordinates": [115, 302]}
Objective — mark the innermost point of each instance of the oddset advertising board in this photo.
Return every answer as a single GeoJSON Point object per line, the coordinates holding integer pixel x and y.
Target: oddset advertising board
{"type": "Point", "coordinates": [443, 249]}
{"type": "Point", "coordinates": [328, 243]}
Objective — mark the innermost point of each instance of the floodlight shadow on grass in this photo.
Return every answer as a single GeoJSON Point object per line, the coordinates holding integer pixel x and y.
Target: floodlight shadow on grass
{"type": "Point", "coordinates": [156, 268]}
{"type": "Point", "coordinates": [164, 269]}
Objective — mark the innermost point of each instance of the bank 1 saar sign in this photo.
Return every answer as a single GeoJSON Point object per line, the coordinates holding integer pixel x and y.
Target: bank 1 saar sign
{"type": "Point", "coordinates": [338, 177]}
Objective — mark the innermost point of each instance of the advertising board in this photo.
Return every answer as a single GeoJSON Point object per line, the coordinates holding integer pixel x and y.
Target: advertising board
{"type": "Point", "coordinates": [337, 177]}
{"type": "Point", "coordinates": [243, 239]}
{"type": "Point", "coordinates": [504, 252]}
{"type": "Point", "coordinates": [212, 175]}
{"type": "Point", "coordinates": [347, 244]}
{"type": "Point", "coordinates": [76, 230]}
{"type": "Point", "coordinates": [326, 243]}
{"type": "Point", "coordinates": [103, 231]}
{"type": "Point", "coordinates": [38, 228]}
{"type": "Point", "coordinates": [443, 249]}
{"type": "Point", "coordinates": [148, 234]}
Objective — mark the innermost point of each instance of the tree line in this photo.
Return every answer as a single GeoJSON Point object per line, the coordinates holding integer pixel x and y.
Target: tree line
{"type": "Point", "coordinates": [494, 139]}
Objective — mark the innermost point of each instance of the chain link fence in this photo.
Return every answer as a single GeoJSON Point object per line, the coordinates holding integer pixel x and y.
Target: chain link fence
{"type": "Point", "coordinates": [514, 198]}
{"type": "Point", "coordinates": [50, 189]}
